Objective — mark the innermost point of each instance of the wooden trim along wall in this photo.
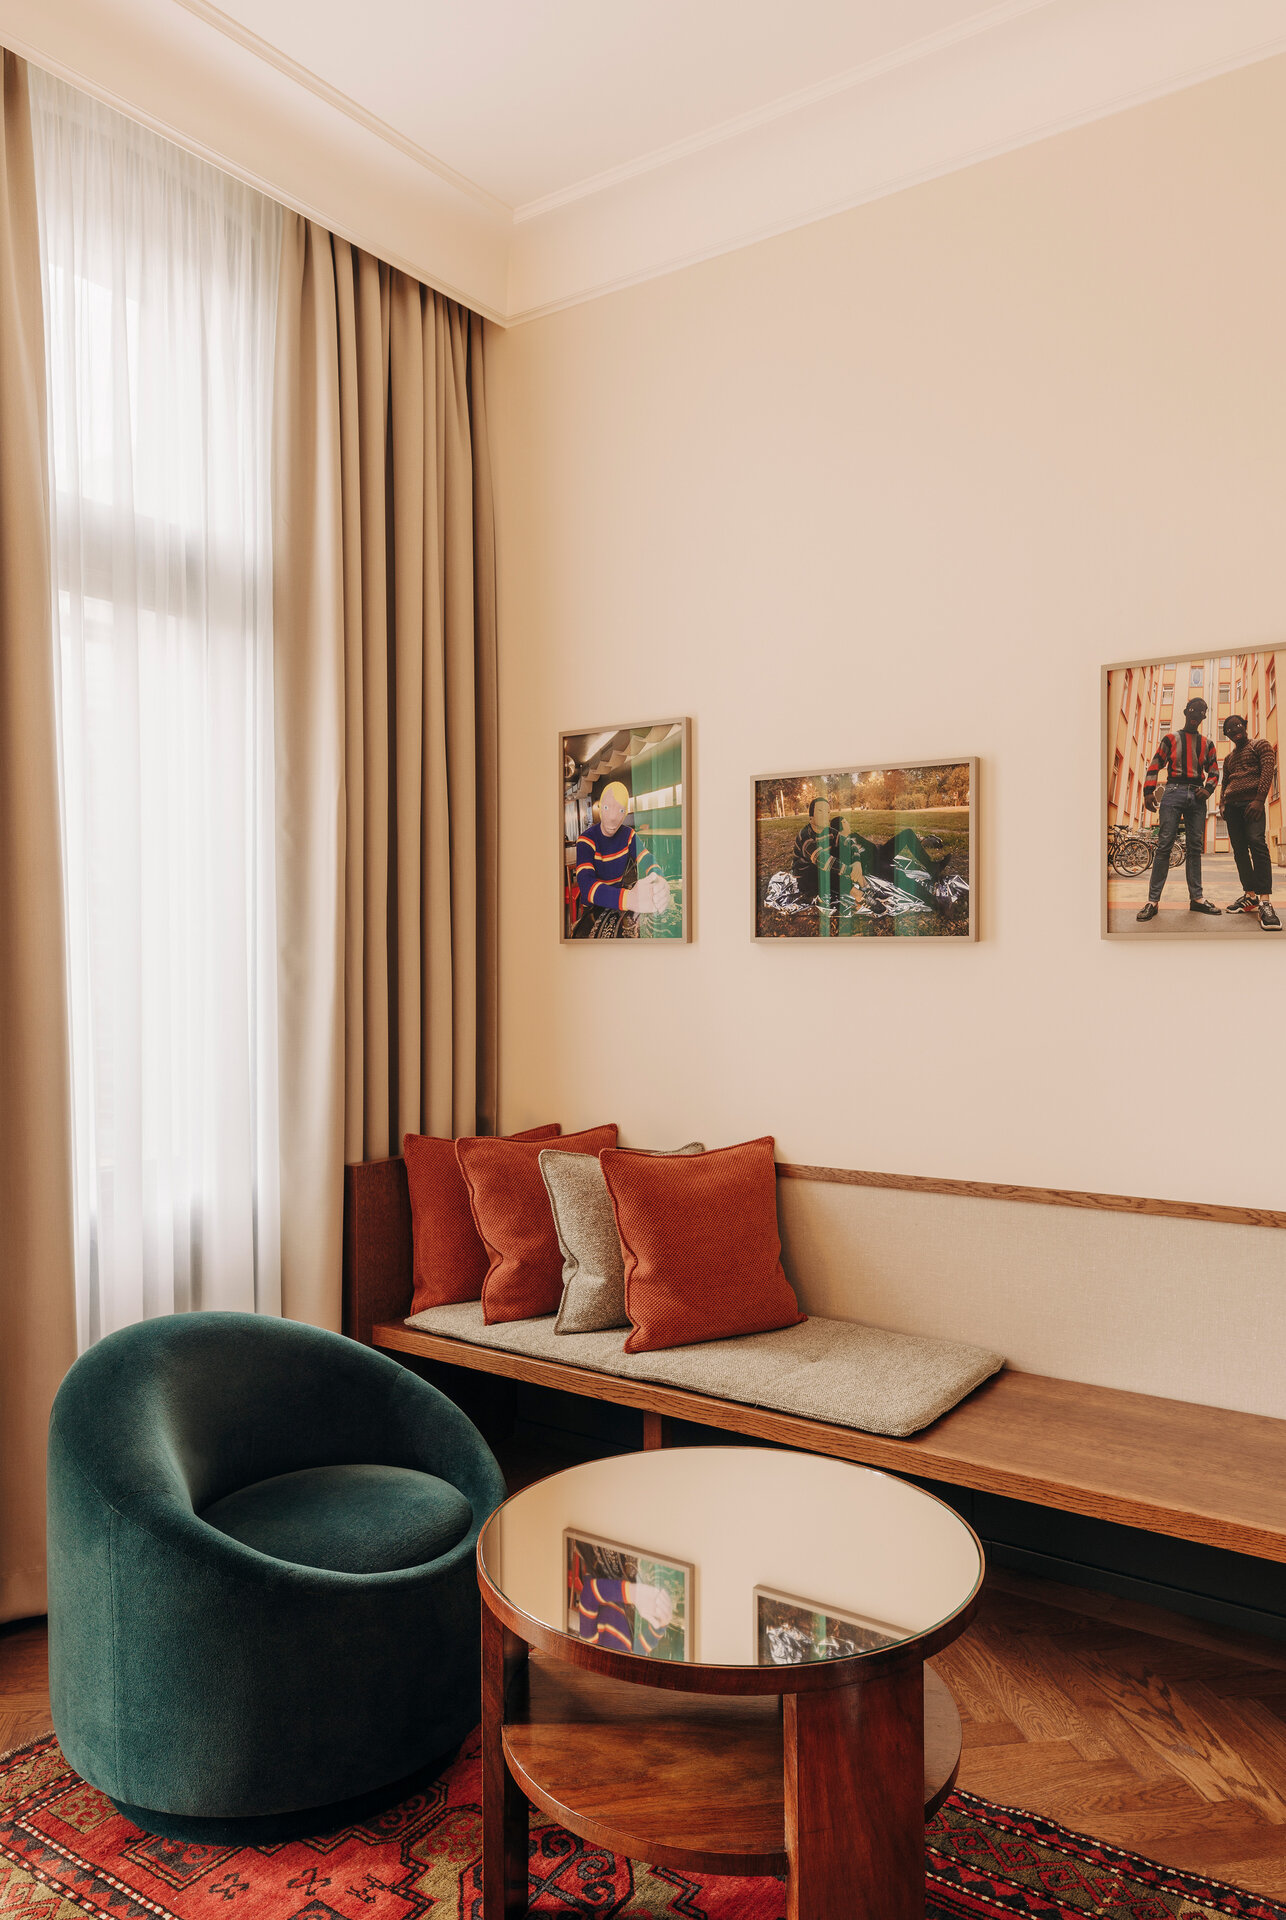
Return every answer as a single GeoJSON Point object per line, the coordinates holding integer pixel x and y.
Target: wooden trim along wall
{"type": "Point", "coordinates": [1039, 1196]}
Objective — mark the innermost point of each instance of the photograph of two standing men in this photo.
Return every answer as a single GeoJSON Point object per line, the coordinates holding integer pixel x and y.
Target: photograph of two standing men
{"type": "Point", "coordinates": [1194, 799]}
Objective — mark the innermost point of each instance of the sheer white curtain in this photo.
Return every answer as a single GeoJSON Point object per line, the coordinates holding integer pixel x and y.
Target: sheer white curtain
{"type": "Point", "coordinates": [160, 282]}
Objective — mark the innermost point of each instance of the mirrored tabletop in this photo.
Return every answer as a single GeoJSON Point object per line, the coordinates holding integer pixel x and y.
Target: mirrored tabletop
{"type": "Point", "coordinates": [731, 1556]}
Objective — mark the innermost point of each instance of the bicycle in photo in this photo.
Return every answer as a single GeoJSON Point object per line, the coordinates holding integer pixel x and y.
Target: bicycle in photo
{"type": "Point", "coordinates": [1128, 852]}
{"type": "Point", "coordinates": [1131, 850]}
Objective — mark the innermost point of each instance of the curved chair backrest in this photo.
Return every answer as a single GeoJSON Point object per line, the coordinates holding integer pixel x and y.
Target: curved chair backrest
{"type": "Point", "coordinates": [192, 1674]}
{"type": "Point", "coordinates": [193, 1406]}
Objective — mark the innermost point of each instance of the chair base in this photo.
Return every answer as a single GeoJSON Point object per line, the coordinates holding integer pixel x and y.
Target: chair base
{"type": "Point", "coordinates": [266, 1829]}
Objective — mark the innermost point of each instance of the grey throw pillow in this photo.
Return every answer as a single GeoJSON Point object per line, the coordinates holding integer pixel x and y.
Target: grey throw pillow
{"type": "Point", "coordinates": [593, 1269]}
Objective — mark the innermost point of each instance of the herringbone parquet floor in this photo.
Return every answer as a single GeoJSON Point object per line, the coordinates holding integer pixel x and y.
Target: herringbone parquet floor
{"type": "Point", "coordinates": [1137, 1726]}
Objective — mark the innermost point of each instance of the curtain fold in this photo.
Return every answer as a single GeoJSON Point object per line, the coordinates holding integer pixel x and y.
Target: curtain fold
{"type": "Point", "coordinates": [386, 733]}
{"type": "Point", "coordinates": [37, 1301]}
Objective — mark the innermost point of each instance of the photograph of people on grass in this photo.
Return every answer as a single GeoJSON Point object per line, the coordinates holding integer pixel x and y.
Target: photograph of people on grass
{"type": "Point", "coordinates": [624, 838]}
{"type": "Point", "coordinates": [866, 852]}
{"type": "Point", "coordinates": [794, 1633]}
{"type": "Point", "coordinates": [1194, 801]}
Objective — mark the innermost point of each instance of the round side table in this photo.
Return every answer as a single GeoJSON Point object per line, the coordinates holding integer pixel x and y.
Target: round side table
{"type": "Point", "coordinates": [713, 1658]}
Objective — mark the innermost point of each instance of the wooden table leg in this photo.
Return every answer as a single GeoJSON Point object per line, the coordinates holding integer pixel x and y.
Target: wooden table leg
{"type": "Point", "coordinates": [854, 1780]}
{"type": "Point", "coordinates": [504, 1805]}
{"type": "Point", "coordinates": [653, 1431]}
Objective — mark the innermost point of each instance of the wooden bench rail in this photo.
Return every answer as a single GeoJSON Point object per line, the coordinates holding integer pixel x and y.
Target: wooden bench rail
{"type": "Point", "coordinates": [1213, 1213]}
{"type": "Point", "coordinates": [1196, 1473]}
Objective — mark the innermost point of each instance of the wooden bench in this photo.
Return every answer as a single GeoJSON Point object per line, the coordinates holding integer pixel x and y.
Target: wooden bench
{"type": "Point", "coordinates": [1196, 1473]}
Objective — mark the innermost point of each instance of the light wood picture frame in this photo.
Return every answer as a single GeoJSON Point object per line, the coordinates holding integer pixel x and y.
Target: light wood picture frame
{"type": "Point", "coordinates": [790, 1632]}
{"type": "Point", "coordinates": [625, 1626]}
{"type": "Point", "coordinates": [899, 857]}
{"type": "Point", "coordinates": [1141, 701]}
{"type": "Point", "coordinates": [648, 763]}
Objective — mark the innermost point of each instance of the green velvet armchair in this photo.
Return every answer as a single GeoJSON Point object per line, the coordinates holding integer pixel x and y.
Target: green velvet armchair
{"type": "Point", "coordinates": [263, 1609]}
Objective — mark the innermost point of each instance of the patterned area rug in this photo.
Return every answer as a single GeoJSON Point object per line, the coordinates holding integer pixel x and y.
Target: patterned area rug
{"type": "Point", "coordinates": [66, 1852]}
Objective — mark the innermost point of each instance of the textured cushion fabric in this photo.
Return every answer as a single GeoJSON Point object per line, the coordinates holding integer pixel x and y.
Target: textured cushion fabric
{"type": "Point", "coordinates": [352, 1519]}
{"type": "Point", "coordinates": [833, 1370]}
{"type": "Point", "coordinates": [197, 1677]}
{"type": "Point", "coordinates": [593, 1266]}
{"type": "Point", "coordinates": [450, 1261]}
{"type": "Point", "coordinates": [700, 1244]}
{"type": "Point", "coordinates": [512, 1213]}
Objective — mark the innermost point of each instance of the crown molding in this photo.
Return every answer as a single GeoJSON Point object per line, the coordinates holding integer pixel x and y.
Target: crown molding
{"type": "Point", "coordinates": [352, 109]}
{"type": "Point", "coordinates": [182, 70]}
{"type": "Point", "coordinates": [779, 109]}
{"type": "Point", "coordinates": [1013, 74]}
{"type": "Point", "coordinates": [1031, 73]}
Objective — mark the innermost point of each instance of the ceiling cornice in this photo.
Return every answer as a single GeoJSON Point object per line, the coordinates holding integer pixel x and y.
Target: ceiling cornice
{"type": "Point", "coordinates": [1030, 74]}
{"type": "Point", "coordinates": [214, 92]}
{"type": "Point", "coordinates": [342, 103]}
{"type": "Point", "coordinates": [798, 102]}
{"type": "Point", "coordinates": [1014, 73]}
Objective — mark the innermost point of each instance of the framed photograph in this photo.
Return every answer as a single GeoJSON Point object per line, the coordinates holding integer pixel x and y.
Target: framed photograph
{"type": "Point", "coordinates": [625, 854]}
{"type": "Point", "coordinates": [789, 1632]}
{"type": "Point", "coordinates": [858, 853]}
{"type": "Point", "coordinates": [627, 1600]}
{"type": "Point", "coordinates": [1191, 834]}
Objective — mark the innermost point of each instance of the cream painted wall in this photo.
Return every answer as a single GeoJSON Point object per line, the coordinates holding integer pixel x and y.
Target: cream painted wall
{"type": "Point", "coordinates": [1181, 1308]}
{"type": "Point", "coordinates": [897, 485]}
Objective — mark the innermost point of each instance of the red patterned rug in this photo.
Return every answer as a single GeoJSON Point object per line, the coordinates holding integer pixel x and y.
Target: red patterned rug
{"type": "Point", "coordinates": [66, 1852]}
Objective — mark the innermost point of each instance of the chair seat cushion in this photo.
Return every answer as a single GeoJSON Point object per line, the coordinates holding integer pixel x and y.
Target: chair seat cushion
{"type": "Point", "coordinates": [358, 1519]}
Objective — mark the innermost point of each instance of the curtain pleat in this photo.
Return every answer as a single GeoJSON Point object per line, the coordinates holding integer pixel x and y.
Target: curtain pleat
{"type": "Point", "coordinates": [309, 608]}
{"type": "Point", "coordinates": [486, 684]}
{"type": "Point", "coordinates": [37, 1288]}
{"type": "Point", "coordinates": [385, 648]}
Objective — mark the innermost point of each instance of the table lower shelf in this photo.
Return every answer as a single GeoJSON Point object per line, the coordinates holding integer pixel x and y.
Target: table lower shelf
{"type": "Point", "coordinates": [692, 1781]}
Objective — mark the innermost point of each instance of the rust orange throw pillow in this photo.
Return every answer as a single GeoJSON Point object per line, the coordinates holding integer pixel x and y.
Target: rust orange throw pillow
{"type": "Point", "coordinates": [511, 1211]}
{"type": "Point", "coordinates": [450, 1259]}
{"type": "Point", "coordinates": [700, 1243]}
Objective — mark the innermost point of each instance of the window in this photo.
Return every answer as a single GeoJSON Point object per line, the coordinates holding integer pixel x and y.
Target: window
{"type": "Point", "coordinates": [160, 296]}
{"type": "Point", "coordinates": [1116, 779]}
{"type": "Point", "coordinates": [1225, 664]}
{"type": "Point", "coordinates": [1254, 717]}
{"type": "Point", "coordinates": [1221, 833]}
{"type": "Point", "coordinates": [1129, 792]}
{"type": "Point", "coordinates": [1125, 690]}
{"type": "Point", "coordinates": [1138, 715]}
{"type": "Point", "coordinates": [1195, 676]}
{"type": "Point", "coordinates": [1270, 683]}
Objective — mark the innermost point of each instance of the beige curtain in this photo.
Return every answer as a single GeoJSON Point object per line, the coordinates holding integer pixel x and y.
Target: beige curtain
{"type": "Point", "coordinates": [386, 725]}
{"type": "Point", "coordinates": [37, 1288]}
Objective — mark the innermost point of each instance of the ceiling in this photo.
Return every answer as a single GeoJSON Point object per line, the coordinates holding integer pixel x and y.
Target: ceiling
{"type": "Point", "coordinates": [526, 154]}
{"type": "Point", "coordinates": [528, 98]}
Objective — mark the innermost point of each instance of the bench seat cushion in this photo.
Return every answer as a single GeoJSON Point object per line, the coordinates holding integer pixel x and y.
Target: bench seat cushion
{"type": "Point", "coordinates": [832, 1370]}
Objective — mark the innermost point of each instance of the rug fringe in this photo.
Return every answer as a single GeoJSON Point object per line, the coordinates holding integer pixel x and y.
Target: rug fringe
{"type": "Point", "coordinates": [25, 1746]}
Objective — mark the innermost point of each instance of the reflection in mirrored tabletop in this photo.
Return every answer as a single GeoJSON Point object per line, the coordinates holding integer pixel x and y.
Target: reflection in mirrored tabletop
{"type": "Point", "coordinates": [731, 1556]}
